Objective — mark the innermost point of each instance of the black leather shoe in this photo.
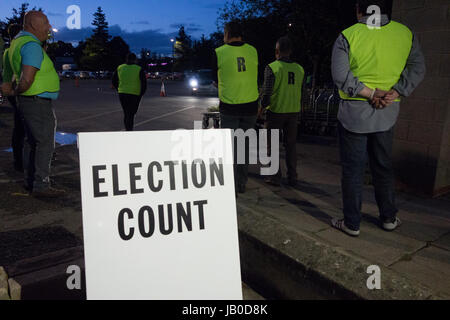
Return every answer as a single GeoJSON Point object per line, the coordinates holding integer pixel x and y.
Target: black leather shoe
{"type": "Point", "coordinates": [293, 183]}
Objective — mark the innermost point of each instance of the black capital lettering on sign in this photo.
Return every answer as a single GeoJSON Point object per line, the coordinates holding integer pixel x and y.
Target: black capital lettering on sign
{"type": "Point", "coordinates": [241, 64]}
{"type": "Point", "coordinates": [171, 165]}
{"type": "Point", "coordinates": [116, 189]}
{"type": "Point", "coordinates": [121, 224]}
{"type": "Point", "coordinates": [291, 78]}
{"type": "Point", "coordinates": [184, 216]}
{"type": "Point", "coordinates": [97, 181]}
{"type": "Point", "coordinates": [134, 178]}
{"type": "Point", "coordinates": [162, 219]}
{"type": "Point", "coordinates": [201, 212]}
{"type": "Point", "coordinates": [198, 183]}
{"type": "Point", "coordinates": [217, 172]}
{"type": "Point", "coordinates": [151, 179]}
{"type": "Point", "coordinates": [146, 212]}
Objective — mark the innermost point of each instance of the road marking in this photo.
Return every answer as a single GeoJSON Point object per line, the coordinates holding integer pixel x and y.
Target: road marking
{"type": "Point", "coordinates": [90, 117]}
{"type": "Point", "coordinates": [163, 116]}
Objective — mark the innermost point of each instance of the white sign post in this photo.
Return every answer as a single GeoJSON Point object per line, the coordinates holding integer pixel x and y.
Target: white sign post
{"type": "Point", "coordinates": [159, 215]}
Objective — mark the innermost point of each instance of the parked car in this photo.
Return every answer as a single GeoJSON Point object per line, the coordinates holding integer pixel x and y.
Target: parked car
{"type": "Point", "coordinates": [68, 74]}
{"type": "Point", "coordinates": [176, 76]}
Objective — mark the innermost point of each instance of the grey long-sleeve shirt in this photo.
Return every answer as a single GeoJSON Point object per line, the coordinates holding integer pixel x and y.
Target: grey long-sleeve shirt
{"type": "Point", "coordinates": [360, 116]}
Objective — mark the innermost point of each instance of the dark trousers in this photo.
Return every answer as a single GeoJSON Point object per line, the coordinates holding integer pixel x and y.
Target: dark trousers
{"type": "Point", "coordinates": [354, 149]}
{"type": "Point", "coordinates": [130, 105]}
{"type": "Point", "coordinates": [234, 123]}
{"type": "Point", "coordinates": [40, 126]}
{"type": "Point", "coordinates": [18, 135]}
{"type": "Point", "coordinates": [287, 123]}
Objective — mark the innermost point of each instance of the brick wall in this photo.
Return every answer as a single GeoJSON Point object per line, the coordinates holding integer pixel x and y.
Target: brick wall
{"type": "Point", "coordinates": [422, 144]}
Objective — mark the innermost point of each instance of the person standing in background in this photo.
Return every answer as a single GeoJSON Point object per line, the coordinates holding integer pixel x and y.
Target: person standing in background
{"type": "Point", "coordinates": [130, 81]}
{"type": "Point", "coordinates": [373, 67]}
{"type": "Point", "coordinates": [37, 87]}
{"type": "Point", "coordinates": [236, 66]}
{"type": "Point", "coordinates": [18, 135]}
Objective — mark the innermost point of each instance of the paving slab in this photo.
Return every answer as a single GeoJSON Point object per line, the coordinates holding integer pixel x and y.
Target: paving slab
{"type": "Point", "coordinates": [374, 244]}
{"type": "Point", "coordinates": [430, 266]}
{"type": "Point", "coordinates": [443, 242]}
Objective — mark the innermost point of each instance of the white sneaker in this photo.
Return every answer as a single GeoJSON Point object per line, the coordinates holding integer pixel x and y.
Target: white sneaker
{"type": "Point", "coordinates": [340, 225]}
{"type": "Point", "coordinates": [391, 226]}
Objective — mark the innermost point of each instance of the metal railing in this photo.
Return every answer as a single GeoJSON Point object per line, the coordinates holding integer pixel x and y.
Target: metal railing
{"type": "Point", "coordinates": [319, 112]}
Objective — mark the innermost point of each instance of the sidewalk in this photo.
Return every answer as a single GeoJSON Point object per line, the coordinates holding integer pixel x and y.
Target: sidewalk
{"type": "Point", "coordinates": [295, 224]}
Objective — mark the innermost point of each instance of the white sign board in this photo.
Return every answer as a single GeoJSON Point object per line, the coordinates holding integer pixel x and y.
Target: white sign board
{"type": "Point", "coordinates": [159, 215]}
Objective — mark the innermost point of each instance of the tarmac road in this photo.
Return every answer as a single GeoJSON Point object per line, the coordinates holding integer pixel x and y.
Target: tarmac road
{"type": "Point", "coordinates": [95, 107]}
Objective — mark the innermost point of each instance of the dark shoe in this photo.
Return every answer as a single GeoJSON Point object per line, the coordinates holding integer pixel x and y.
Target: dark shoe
{"type": "Point", "coordinates": [272, 182]}
{"type": "Point", "coordinates": [241, 188]}
{"type": "Point", "coordinates": [49, 193]}
{"type": "Point", "coordinates": [293, 183]}
{"type": "Point", "coordinates": [340, 225]}
{"type": "Point", "coordinates": [27, 188]}
{"type": "Point", "coordinates": [18, 167]}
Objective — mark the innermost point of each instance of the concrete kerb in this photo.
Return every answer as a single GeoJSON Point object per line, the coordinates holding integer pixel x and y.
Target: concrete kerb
{"type": "Point", "coordinates": [291, 260]}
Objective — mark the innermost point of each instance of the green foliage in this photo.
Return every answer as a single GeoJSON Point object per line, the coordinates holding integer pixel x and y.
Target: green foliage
{"type": "Point", "coordinates": [17, 17]}
{"type": "Point", "coordinates": [100, 53]}
{"type": "Point", "coordinates": [313, 26]}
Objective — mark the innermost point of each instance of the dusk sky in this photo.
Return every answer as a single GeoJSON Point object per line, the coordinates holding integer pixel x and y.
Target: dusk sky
{"type": "Point", "coordinates": [142, 23]}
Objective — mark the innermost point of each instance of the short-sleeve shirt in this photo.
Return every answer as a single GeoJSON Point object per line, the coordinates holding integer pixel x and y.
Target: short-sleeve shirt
{"type": "Point", "coordinates": [32, 55]}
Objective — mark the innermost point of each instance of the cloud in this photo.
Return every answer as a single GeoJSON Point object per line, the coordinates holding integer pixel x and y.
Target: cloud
{"type": "Point", "coordinates": [189, 27]}
{"type": "Point", "coordinates": [153, 39]}
{"type": "Point", "coordinates": [144, 22]}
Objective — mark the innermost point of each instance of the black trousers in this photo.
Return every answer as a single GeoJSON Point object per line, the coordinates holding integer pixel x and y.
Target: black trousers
{"type": "Point", "coordinates": [130, 105]}
{"type": "Point", "coordinates": [287, 123]}
{"type": "Point", "coordinates": [18, 135]}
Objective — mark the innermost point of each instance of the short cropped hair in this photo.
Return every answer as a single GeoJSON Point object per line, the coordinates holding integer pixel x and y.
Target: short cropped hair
{"type": "Point", "coordinates": [365, 4]}
{"type": "Point", "coordinates": [285, 45]}
{"type": "Point", "coordinates": [131, 57]}
{"type": "Point", "coordinates": [13, 30]}
{"type": "Point", "coordinates": [234, 29]}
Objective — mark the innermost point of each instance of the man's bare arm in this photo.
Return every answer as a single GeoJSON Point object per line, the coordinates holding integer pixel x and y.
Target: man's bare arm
{"type": "Point", "coordinates": [26, 79]}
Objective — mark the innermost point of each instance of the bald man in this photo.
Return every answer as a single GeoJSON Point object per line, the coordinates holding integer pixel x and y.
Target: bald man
{"type": "Point", "coordinates": [37, 87]}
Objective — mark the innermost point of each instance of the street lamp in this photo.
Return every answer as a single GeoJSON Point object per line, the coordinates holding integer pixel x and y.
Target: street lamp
{"type": "Point", "coordinates": [55, 31]}
{"type": "Point", "coordinates": [173, 56]}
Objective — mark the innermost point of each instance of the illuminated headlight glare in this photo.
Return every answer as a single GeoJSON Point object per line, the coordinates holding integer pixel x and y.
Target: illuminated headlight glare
{"type": "Point", "coordinates": [194, 83]}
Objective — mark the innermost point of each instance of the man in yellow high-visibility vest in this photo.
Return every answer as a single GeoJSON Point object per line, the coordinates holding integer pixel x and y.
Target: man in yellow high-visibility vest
{"type": "Point", "coordinates": [130, 81]}
{"type": "Point", "coordinates": [281, 96]}
{"type": "Point", "coordinates": [18, 135]}
{"type": "Point", "coordinates": [236, 68]}
{"type": "Point", "coordinates": [374, 63]}
{"type": "Point", "coordinates": [37, 87]}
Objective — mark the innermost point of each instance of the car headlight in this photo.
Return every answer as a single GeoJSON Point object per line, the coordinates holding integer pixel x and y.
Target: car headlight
{"type": "Point", "coordinates": [194, 83]}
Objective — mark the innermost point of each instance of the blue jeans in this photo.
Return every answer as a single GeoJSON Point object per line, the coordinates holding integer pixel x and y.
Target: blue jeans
{"type": "Point", "coordinates": [354, 149]}
{"type": "Point", "coordinates": [244, 123]}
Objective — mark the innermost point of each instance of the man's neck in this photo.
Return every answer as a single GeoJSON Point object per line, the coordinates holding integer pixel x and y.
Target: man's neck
{"type": "Point", "coordinates": [231, 40]}
{"type": "Point", "coordinates": [31, 31]}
